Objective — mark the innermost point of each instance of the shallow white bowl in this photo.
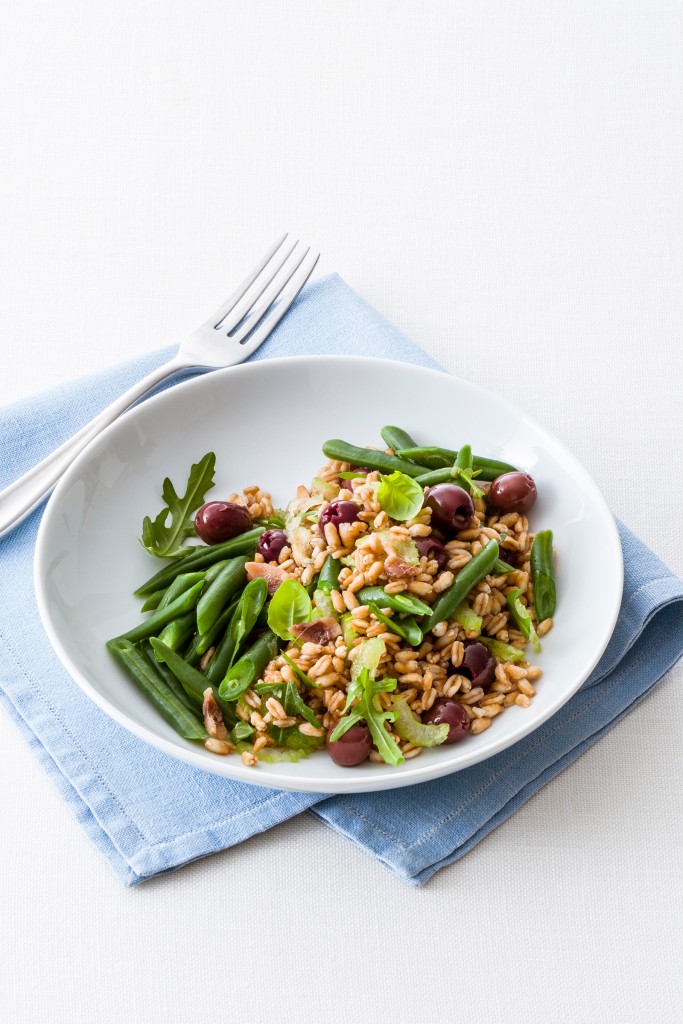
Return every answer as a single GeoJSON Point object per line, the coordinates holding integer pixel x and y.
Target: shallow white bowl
{"type": "Point", "coordinates": [266, 421]}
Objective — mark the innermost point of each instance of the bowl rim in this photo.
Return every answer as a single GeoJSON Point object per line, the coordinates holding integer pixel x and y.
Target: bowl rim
{"type": "Point", "coordinates": [389, 777]}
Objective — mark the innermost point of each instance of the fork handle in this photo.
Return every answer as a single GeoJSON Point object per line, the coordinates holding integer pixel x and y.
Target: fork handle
{"type": "Point", "coordinates": [21, 497]}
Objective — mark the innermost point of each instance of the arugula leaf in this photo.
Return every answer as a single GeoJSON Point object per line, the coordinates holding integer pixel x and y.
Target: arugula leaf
{"type": "Point", "coordinates": [299, 672]}
{"type": "Point", "coordinates": [290, 604]}
{"type": "Point", "coordinates": [521, 616]}
{"type": "Point", "coordinates": [245, 615]}
{"type": "Point", "coordinates": [369, 710]}
{"type": "Point", "coordinates": [400, 496]}
{"type": "Point", "coordinates": [164, 539]}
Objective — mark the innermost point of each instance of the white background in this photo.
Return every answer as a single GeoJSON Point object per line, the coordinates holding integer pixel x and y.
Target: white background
{"type": "Point", "coordinates": [503, 181]}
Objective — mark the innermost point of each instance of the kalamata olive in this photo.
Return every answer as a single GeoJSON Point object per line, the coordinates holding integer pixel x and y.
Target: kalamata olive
{"type": "Point", "coordinates": [271, 543]}
{"type": "Point", "coordinates": [430, 547]}
{"type": "Point", "coordinates": [478, 664]}
{"type": "Point", "coordinates": [220, 520]}
{"type": "Point", "coordinates": [353, 747]}
{"type": "Point", "coordinates": [512, 492]}
{"type": "Point", "coordinates": [454, 714]}
{"type": "Point", "coordinates": [452, 507]}
{"type": "Point", "coordinates": [338, 512]}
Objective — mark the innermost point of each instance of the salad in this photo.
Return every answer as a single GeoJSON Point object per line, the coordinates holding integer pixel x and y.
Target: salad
{"type": "Point", "coordinates": [389, 608]}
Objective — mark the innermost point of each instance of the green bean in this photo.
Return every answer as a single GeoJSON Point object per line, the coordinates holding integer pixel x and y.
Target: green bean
{"type": "Point", "coordinates": [397, 602]}
{"type": "Point", "coordinates": [175, 634]}
{"type": "Point", "coordinates": [543, 575]}
{"type": "Point", "coordinates": [443, 458]}
{"type": "Point", "coordinates": [470, 574]}
{"type": "Point", "coordinates": [152, 602]}
{"type": "Point", "coordinates": [250, 666]}
{"type": "Point", "coordinates": [194, 683]}
{"type": "Point", "coordinates": [214, 570]}
{"type": "Point", "coordinates": [217, 595]}
{"type": "Point", "coordinates": [181, 584]}
{"type": "Point", "coordinates": [203, 641]}
{"type": "Point", "coordinates": [407, 628]}
{"type": "Point", "coordinates": [153, 625]}
{"type": "Point", "coordinates": [200, 557]}
{"type": "Point", "coordinates": [344, 452]}
{"type": "Point", "coordinates": [328, 579]}
{"type": "Point", "coordinates": [224, 653]}
{"type": "Point", "coordinates": [396, 439]}
{"type": "Point", "coordinates": [170, 680]}
{"type": "Point", "coordinates": [436, 476]}
{"type": "Point", "coordinates": [155, 688]}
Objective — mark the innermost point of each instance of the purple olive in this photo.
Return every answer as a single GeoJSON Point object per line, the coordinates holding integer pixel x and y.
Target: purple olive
{"type": "Point", "coordinates": [271, 543]}
{"type": "Point", "coordinates": [430, 547]}
{"type": "Point", "coordinates": [352, 748]}
{"type": "Point", "coordinates": [454, 714]}
{"type": "Point", "coordinates": [478, 664]}
{"type": "Point", "coordinates": [220, 520]}
{"type": "Point", "coordinates": [452, 507]}
{"type": "Point", "coordinates": [512, 492]}
{"type": "Point", "coordinates": [338, 512]}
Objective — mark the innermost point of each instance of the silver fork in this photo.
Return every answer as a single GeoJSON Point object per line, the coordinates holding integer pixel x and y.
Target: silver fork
{"type": "Point", "coordinates": [228, 337]}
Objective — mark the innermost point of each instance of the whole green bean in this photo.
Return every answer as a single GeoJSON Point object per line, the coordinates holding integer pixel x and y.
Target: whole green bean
{"type": "Point", "coordinates": [328, 579]}
{"type": "Point", "coordinates": [250, 666]}
{"type": "Point", "coordinates": [396, 438]}
{"type": "Point", "coordinates": [200, 557]}
{"type": "Point", "coordinates": [217, 595]}
{"type": "Point", "coordinates": [444, 458]}
{"type": "Point", "coordinates": [344, 452]}
{"type": "Point", "coordinates": [176, 634]}
{"type": "Point", "coordinates": [543, 575]}
{"type": "Point", "coordinates": [397, 602]}
{"type": "Point", "coordinates": [436, 476]}
{"type": "Point", "coordinates": [155, 688]}
{"type": "Point", "coordinates": [180, 585]}
{"type": "Point", "coordinates": [168, 677]}
{"type": "Point", "coordinates": [153, 625]}
{"type": "Point", "coordinates": [206, 640]}
{"type": "Point", "coordinates": [222, 656]}
{"type": "Point", "coordinates": [470, 574]}
{"type": "Point", "coordinates": [214, 570]}
{"type": "Point", "coordinates": [194, 683]}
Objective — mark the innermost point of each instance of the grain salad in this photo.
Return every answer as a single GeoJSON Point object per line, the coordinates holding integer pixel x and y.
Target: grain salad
{"type": "Point", "coordinates": [389, 608]}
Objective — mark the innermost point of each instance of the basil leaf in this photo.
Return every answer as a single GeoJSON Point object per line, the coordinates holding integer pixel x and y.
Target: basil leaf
{"type": "Point", "coordinates": [165, 539]}
{"type": "Point", "coordinates": [290, 604]}
{"type": "Point", "coordinates": [400, 496]}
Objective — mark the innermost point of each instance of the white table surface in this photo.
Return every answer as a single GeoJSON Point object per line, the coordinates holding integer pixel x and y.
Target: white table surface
{"type": "Point", "coordinates": [503, 181]}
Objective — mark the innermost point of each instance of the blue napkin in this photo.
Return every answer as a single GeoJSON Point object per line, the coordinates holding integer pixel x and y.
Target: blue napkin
{"type": "Point", "coordinates": [149, 813]}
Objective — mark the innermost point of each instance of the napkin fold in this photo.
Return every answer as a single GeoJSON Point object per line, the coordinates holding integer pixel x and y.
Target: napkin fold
{"type": "Point", "coordinates": [149, 813]}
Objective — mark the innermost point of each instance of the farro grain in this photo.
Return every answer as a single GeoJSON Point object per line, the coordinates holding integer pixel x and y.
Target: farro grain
{"type": "Point", "coordinates": [479, 725]}
{"type": "Point", "coordinates": [544, 627]}
{"type": "Point", "coordinates": [249, 759]}
{"type": "Point", "coordinates": [218, 746]}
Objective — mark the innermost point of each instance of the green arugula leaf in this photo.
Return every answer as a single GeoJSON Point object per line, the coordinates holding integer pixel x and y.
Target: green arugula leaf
{"type": "Point", "coordinates": [400, 496]}
{"type": "Point", "coordinates": [290, 604]}
{"type": "Point", "coordinates": [369, 710]}
{"type": "Point", "coordinates": [165, 539]}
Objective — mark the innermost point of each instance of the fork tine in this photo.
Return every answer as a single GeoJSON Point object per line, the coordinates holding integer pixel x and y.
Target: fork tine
{"type": "Point", "coordinates": [219, 316]}
{"type": "Point", "coordinates": [269, 322]}
{"type": "Point", "coordinates": [269, 296]}
{"type": "Point", "coordinates": [241, 309]}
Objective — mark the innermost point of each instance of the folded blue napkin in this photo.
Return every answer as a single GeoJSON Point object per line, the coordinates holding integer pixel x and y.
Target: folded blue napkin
{"type": "Point", "coordinates": [149, 813]}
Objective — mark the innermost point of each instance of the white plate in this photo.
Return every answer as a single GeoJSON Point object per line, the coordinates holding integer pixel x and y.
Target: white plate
{"type": "Point", "coordinates": [266, 421]}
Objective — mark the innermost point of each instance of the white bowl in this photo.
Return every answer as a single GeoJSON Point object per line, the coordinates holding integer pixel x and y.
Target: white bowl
{"type": "Point", "coordinates": [266, 421]}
